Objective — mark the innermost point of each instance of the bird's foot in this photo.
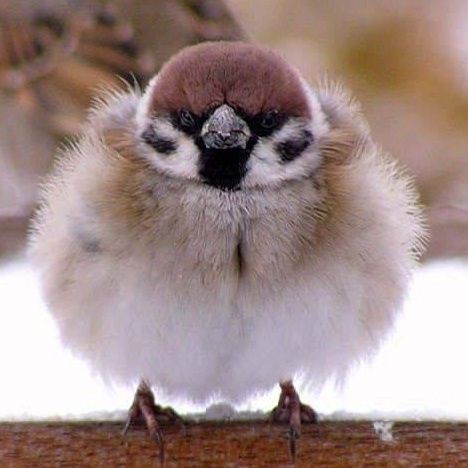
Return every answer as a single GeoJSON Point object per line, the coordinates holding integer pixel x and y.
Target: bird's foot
{"type": "Point", "coordinates": [290, 410]}
{"type": "Point", "coordinates": [145, 410]}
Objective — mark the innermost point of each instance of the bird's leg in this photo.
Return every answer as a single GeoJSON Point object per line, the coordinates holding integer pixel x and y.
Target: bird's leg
{"type": "Point", "coordinates": [144, 409]}
{"type": "Point", "coordinates": [290, 410]}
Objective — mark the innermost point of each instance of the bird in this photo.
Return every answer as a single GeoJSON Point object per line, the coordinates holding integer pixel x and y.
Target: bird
{"type": "Point", "coordinates": [226, 229]}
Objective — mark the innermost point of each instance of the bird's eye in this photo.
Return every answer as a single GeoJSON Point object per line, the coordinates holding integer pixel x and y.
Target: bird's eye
{"type": "Point", "coordinates": [186, 120]}
{"type": "Point", "coordinates": [270, 120]}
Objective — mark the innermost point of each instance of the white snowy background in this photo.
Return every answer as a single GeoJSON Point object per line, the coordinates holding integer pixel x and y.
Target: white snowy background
{"type": "Point", "coordinates": [420, 372]}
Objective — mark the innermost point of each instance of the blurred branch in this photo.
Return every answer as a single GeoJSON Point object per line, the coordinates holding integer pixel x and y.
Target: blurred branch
{"type": "Point", "coordinates": [208, 20]}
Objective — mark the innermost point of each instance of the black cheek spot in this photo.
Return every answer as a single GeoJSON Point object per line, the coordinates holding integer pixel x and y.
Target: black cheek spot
{"type": "Point", "coordinates": [289, 150]}
{"type": "Point", "coordinates": [160, 144]}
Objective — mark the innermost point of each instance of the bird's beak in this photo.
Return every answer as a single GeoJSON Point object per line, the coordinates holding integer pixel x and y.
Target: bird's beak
{"type": "Point", "coordinates": [225, 129]}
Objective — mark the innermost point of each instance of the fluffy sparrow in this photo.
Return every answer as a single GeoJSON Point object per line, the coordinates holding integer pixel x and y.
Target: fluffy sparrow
{"type": "Point", "coordinates": [227, 229]}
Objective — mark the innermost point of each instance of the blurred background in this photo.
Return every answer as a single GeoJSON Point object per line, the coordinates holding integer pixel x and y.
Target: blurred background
{"type": "Point", "coordinates": [406, 61]}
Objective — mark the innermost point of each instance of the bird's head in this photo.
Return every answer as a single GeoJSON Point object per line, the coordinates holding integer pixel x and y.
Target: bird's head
{"type": "Point", "coordinates": [230, 115]}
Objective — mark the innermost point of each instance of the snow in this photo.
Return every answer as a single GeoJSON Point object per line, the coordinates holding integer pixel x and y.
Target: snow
{"type": "Point", "coordinates": [420, 372]}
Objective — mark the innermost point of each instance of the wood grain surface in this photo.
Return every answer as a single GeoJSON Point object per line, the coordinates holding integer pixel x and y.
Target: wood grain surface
{"type": "Point", "coordinates": [255, 443]}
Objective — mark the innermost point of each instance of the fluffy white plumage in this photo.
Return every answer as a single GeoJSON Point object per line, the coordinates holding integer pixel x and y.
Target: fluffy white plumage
{"type": "Point", "coordinates": [204, 292]}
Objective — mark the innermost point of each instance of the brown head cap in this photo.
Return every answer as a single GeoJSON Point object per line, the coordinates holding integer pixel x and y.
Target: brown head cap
{"type": "Point", "coordinates": [244, 76]}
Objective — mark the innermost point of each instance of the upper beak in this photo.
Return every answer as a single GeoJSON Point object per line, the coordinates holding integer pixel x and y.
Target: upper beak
{"type": "Point", "coordinates": [225, 129]}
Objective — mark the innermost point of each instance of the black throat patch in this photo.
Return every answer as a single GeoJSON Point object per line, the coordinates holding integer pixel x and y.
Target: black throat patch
{"type": "Point", "coordinates": [224, 168]}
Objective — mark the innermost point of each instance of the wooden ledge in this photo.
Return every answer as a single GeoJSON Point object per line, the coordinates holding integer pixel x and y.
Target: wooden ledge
{"type": "Point", "coordinates": [253, 443]}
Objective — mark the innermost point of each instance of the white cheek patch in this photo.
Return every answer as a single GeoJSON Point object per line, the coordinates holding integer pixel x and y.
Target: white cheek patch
{"type": "Point", "coordinates": [266, 167]}
{"type": "Point", "coordinates": [183, 161]}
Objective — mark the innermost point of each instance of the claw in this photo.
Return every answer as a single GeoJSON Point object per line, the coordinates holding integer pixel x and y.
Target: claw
{"type": "Point", "coordinates": [290, 410]}
{"type": "Point", "coordinates": [144, 408]}
{"type": "Point", "coordinates": [126, 427]}
{"type": "Point", "coordinates": [293, 436]}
